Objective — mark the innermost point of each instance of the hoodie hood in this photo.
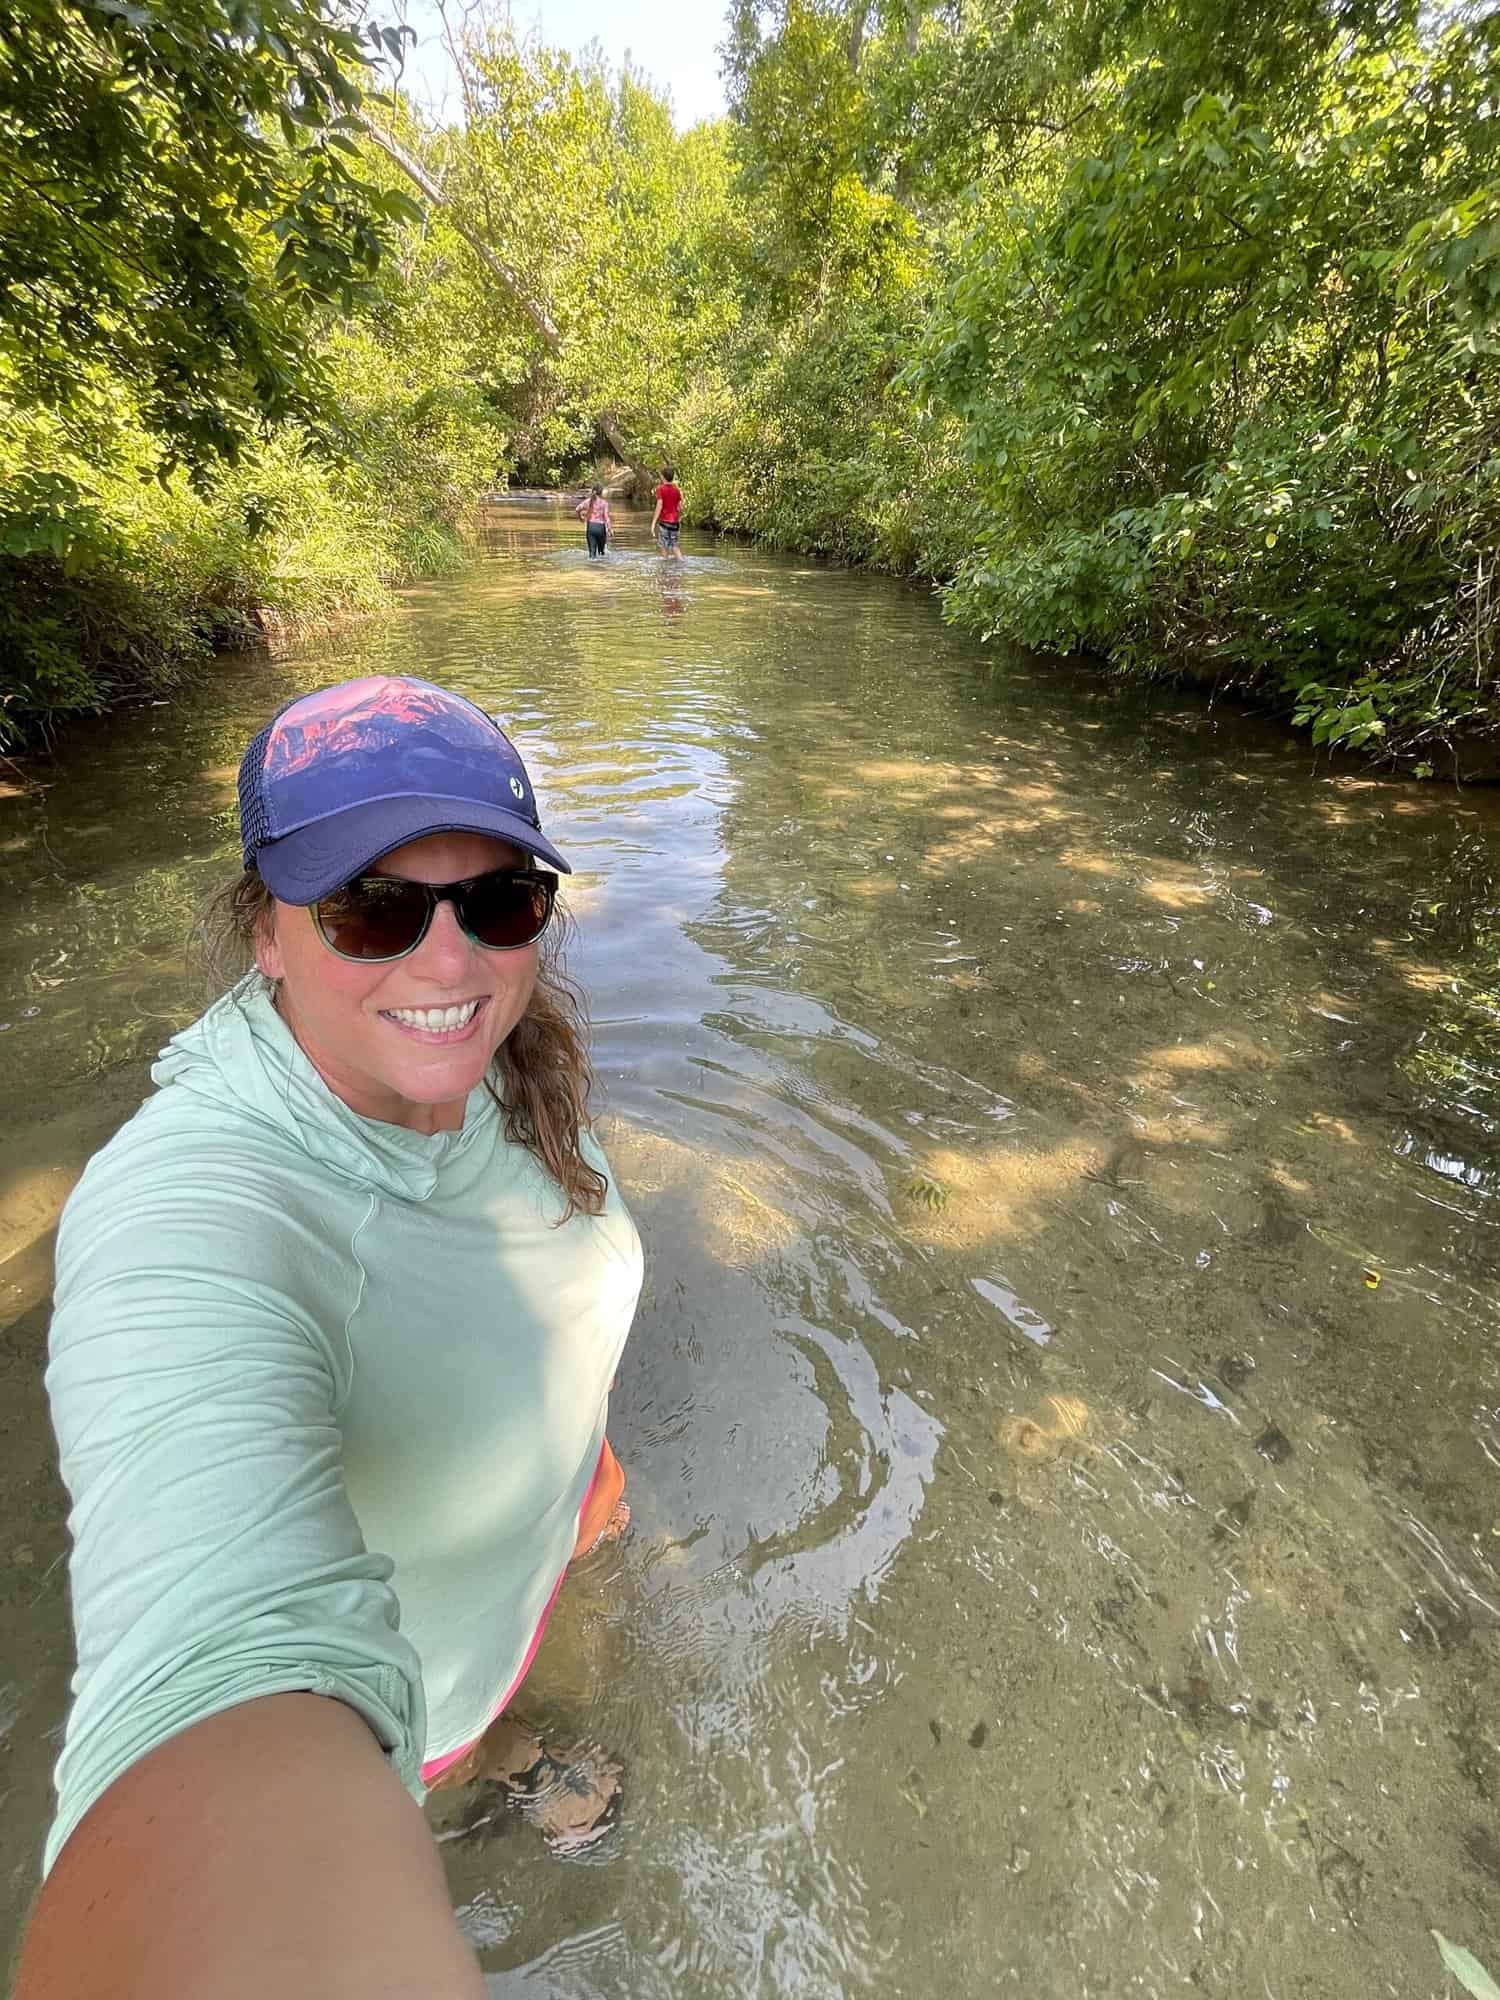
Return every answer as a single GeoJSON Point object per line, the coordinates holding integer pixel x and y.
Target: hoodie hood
{"type": "Point", "coordinates": [242, 1058]}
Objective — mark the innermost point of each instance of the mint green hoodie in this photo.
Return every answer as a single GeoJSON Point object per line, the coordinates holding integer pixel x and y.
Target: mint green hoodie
{"type": "Point", "coordinates": [328, 1395]}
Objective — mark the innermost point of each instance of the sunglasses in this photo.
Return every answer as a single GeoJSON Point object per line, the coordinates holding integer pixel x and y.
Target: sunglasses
{"type": "Point", "coordinates": [377, 917]}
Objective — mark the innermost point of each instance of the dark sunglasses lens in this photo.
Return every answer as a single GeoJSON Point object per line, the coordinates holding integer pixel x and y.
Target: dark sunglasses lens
{"type": "Point", "coordinates": [376, 917]}
{"type": "Point", "coordinates": [505, 911]}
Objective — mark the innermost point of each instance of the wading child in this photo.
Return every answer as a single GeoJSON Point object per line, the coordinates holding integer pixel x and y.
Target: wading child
{"type": "Point", "coordinates": [666, 522]}
{"type": "Point", "coordinates": [593, 511]}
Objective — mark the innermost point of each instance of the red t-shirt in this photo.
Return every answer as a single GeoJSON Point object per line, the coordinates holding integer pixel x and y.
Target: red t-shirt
{"type": "Point", "coordinates": [670, 497]}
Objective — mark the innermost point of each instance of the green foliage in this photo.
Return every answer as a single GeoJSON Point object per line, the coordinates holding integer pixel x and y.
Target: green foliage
{"type": "Point", "coordinates": [73, 640]}
{"type": "Point", "coordinates": [613, 230]}
{"type": "Point", "coordinates": [115, 588]}
{"type": "Point", "coordinates": [1257, 439]}
{"type": "Point", "coordinates": [193, 450]}
{"type": "Point", "coordinates": [180, 194]}
{"type": "Point", "coordinates": [1154, 328]}
{"type": "Point", "coordinates": [800, 115]}
{"type": "Point", "coordinates": [1204, 299]}
{"type": "Point", "coordinates": [815, 447]}
{"type": "Point", "coordinates": [798, 428]}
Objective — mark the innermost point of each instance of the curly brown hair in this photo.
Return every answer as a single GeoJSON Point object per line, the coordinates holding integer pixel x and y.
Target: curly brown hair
{"type": "Point", "coordinates": [541, 1076]}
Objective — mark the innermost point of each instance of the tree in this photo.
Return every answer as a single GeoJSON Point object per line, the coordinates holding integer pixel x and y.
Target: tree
{"type": "Point", "coordinates": [181, 197]}
{"type": "Point", "coordinates": [593, 234]}
{"type": "Point", "coordinates": [1226, 362]}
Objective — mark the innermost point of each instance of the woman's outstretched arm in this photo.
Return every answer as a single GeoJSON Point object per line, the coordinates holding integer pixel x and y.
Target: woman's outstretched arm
{"type": "Point", "coordinates": [267, 1850]}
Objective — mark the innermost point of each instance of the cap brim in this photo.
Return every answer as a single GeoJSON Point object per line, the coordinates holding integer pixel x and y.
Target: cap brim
{"type": "Point", "coordinates": [311, 863]}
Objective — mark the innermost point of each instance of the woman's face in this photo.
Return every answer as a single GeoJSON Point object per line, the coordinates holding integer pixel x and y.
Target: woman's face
{"type": "Point", "coordinates": [355, 1022]}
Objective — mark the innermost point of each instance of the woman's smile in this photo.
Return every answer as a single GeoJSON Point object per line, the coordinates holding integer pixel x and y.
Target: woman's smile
{"type": "Point", "coordinates": [453, 1022]}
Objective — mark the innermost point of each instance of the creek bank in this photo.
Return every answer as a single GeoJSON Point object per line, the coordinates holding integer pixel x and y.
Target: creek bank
{"type": "Point", "coordinates": [1461, 759]}
{"type": "Point", "coordinates": [133, 626]}
{"type": "Point", "coordinates": [75, 646]}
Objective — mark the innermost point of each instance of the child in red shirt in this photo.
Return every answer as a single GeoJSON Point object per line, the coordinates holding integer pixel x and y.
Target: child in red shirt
{"type": "Point", "coordinates": [666, 522]}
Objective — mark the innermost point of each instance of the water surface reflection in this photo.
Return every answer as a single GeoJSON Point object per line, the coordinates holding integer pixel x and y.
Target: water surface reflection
{"type": "Point", "coordinates": [1064, 1412]}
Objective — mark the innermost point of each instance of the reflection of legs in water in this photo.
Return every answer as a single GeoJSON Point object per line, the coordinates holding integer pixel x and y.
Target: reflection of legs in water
{"type": "Point", "coordinates": [571, 1797]}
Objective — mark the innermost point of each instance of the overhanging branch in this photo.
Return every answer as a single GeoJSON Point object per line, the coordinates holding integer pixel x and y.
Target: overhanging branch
{"type": "Point", "coordinates": [508, 281]}
{"type": "Point", "coordinates": [536, 316]}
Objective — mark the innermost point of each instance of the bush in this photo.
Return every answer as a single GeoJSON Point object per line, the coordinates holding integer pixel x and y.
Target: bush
{"type": "Point", "coordinates": [112, 587]}
{"type": "Point", "coordinates": [74, 642]}
{"type": "Point", "coordinates": [1230, 387]}
{"type": "Point", "coordinates": [820, 449]}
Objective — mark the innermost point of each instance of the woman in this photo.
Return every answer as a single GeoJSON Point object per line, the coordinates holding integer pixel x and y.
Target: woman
{"type": "Point", "coordinates": [597, 524]}
{"type": "Point", "coordinates": [337, 1317]}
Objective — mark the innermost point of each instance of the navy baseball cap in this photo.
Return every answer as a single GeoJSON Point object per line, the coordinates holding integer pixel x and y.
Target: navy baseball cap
{"type": "Point", "coordinates": [340, 777]}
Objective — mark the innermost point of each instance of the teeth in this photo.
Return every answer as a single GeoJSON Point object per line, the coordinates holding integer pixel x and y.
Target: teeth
{"type": "Point", "coordinates": [435, 1020]}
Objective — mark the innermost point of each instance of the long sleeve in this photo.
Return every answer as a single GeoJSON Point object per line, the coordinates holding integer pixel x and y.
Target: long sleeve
{"type": "Point", "coordinates": [216, 1556]}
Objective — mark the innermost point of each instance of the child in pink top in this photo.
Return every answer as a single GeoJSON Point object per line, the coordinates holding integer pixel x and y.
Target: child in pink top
{"type": "Point", "coordinates": [593, 511]}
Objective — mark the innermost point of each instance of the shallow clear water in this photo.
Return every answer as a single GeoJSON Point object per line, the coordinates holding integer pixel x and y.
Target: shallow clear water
{"type": "Point", "coordinates": [1063, 1419]}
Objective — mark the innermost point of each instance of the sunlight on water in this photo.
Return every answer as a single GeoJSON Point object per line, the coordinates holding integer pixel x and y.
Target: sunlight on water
{"type": "Point", "coordinates": [1064, 1415]}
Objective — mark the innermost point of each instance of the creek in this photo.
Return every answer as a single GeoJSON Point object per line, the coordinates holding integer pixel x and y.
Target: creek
{"type": "Point", "coordinates": [1063, 1418]}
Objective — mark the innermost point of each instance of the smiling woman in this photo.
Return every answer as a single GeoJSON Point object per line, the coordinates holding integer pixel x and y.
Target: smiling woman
{"type": "Point", "coordinates": [402, 1032]}
{"type": "Point", "coordinates": [363, 1213]}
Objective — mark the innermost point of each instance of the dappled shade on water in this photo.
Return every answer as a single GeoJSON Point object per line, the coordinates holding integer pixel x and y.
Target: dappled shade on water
{"type": "Point", "coordinates": [1063, 1417]}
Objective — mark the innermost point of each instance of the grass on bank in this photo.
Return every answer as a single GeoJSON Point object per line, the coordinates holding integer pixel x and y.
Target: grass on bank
{"type": "Point", "coordinates": [116, 587]}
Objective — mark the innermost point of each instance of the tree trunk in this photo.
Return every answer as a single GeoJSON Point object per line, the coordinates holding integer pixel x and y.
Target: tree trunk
{"type": "Point", "coordinates": [509, 281]}
{"type": "Point", "coordinates": [857, 19]}
{"type": "Point", "coordinates": [618, 445]}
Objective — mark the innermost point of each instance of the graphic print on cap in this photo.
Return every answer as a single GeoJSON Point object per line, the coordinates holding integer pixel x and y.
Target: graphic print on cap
{"type": "Point", "coordinates": [366, 714]}
{"type": "Point", "coordinates": [386, 737]}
